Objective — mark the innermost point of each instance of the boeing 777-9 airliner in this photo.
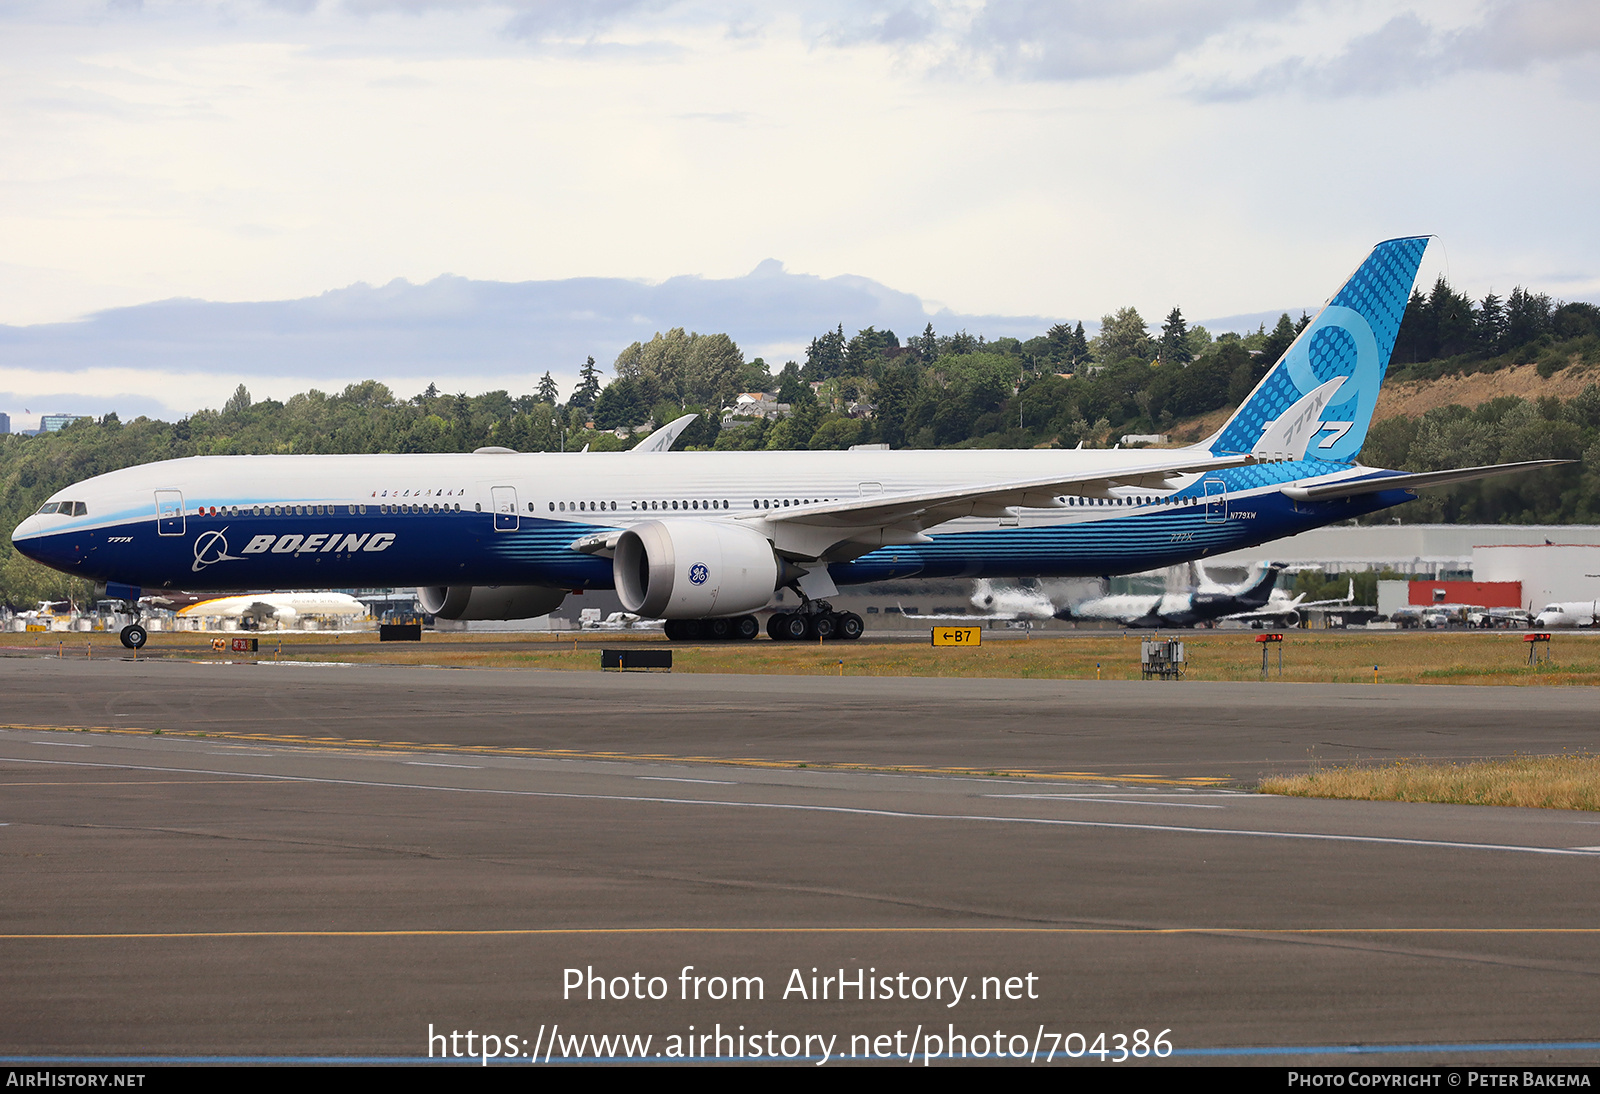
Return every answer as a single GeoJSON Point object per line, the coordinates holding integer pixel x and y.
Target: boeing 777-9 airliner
{"type": "Point", "coordinates": [703, 539]}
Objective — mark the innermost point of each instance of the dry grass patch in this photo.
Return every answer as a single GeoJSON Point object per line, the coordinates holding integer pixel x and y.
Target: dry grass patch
{"type": "Point", "coordinates": [1540, 782]}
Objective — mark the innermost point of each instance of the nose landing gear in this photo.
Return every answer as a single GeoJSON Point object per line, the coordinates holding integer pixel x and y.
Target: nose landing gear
{"type": "Point", "coordinates": [134, 636]}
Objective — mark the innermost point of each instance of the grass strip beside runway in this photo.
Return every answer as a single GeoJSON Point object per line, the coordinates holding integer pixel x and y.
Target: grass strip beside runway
{"type": "Point", "coordinates": [1540, 782]}
{"type": "Point", "coordinates": [1336, 657]}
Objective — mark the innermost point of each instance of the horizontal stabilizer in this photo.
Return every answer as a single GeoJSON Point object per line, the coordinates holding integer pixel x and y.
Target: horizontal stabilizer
{"type": "Point", "coordinates": [1349, 488]}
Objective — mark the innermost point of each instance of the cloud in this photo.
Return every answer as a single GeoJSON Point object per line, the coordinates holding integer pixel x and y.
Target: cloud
{"type": "Point", "coordinates": [527, 19]}
{"type": "Point", "coordinates": [1407, 51]}
{"type": "Point", "coordinates": [1083, 39]}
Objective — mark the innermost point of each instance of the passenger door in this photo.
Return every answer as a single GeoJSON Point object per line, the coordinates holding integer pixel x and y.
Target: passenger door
{"type": "Point", "coordinates": [169, 513]}
{"type": "Point", "coordinates": [503, 499]}
{"type": "Point", "coordinates": [1216, 501]}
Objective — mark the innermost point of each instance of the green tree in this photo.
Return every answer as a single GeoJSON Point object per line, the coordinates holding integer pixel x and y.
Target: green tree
{"type": "Point", "coordinates": [1277, 343]}
{"type": "Point", "coordinates": [712, 370]}
{"type": "Point", "coordinates": [548, 392]}
{"type": "Point", "coordinates": [1121, 336]}
{"type": "Point", "coordinates": [1174, 348]}
{"type": "Point", "coordinates": [792, 388]}
{"type": "Point", "coordinates": [825, 356]}
{"type": "Point", "coordinates": [588, 388]}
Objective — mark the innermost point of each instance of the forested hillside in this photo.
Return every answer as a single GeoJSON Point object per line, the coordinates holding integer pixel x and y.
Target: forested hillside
{"type": "Point", "coordinates": [929, 390]}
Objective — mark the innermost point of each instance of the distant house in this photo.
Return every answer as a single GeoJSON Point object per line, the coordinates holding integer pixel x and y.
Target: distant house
{"type": "Point", "coordinates": [756, 404]}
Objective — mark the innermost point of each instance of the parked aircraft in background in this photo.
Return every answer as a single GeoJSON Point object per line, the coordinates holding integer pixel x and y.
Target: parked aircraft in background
{"type": "Point", "coordinates": [703, 539]}
{"type": "Point", "coordinates": [1569, 613]}
{"type": "Point", "coordinates": [1192, 597]}
{"type": "Point", "coordinates": [590, 620]}
{"type": "Point", "coordinates": [284, 609]}
{"type": "Point", "coordinates": [1282, 610]}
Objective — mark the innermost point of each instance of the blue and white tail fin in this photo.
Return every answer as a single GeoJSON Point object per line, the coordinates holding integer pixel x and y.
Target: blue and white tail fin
{"type": "Point", "coordinates": [1292, 413]}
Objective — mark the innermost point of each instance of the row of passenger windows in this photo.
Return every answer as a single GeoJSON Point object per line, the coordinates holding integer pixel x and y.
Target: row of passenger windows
{"type": "Point", "coordinates": [638, 506]}
{"type": "Point", "coordinates": [310, 510]}
{"type": "Point", "coordinates": [770, 503]}
{"type": "Point", "coordinates": [78, 509]}
{"type": "Point", "coordinates": [655, 506]}
{"type": "Point", "coordinates": [1125, 501]}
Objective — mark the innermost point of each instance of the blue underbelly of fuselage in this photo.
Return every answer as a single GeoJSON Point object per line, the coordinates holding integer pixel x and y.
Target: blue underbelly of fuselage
{"type": "Point", "coordinates": [340, 550]}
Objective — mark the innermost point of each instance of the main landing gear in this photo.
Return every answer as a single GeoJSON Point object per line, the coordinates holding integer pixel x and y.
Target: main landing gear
{"type": "Point", "coordinates": [815, 619]}
{"type": "Point", "coordinates": [740, 628]}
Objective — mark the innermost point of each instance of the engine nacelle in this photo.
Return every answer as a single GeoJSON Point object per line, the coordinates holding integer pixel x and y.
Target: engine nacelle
{"type": "Point", "coordinates": [489, 601]}
{"type": "Point", "coordinates": [692, 569]}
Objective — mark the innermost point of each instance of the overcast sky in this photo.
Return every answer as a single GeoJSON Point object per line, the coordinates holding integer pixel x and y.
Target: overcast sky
{"type": "Point", "coordinates": [1050, 158]}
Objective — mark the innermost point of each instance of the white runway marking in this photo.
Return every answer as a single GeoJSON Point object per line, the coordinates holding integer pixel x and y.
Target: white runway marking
{"type": "Point", "coordinates": [426, 763]}
{"type": "Point", "coordinates": [891, 814]}
{"type": "Point", "coordinates": [1101, 801]}
{"type": "Point", "coordinates": [670, 779]}
{"type": "Point", "coordinates": [61, 744]}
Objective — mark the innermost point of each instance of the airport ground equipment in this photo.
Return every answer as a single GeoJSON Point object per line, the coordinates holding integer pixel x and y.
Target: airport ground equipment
{"type": "Point", "coordinates": [1538, 648]}
{"type": "Point", "coordinates": [1160, 659]}
{"type": "Point", "coordinates": [1268, 642]}
{"type": "Point", "coordinates": [399, 632]}
{"type": "Point", "coordinates": [636, 659]}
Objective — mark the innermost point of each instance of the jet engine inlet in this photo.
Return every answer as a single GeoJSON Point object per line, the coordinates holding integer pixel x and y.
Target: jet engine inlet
{"type": "Point", "coordinates": [489, 601]}
{"type": "Point", "coordinates": [693, 569]}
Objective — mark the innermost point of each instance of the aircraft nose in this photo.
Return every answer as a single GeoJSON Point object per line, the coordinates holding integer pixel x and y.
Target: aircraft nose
{"type": "Point", "coordinates": [33, 540]}
{"type": "Point", "coordinates": [26, 531]}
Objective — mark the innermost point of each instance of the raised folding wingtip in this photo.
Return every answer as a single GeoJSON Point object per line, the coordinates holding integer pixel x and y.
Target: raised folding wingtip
{"type": "Point", "coordinates": [664, 438]}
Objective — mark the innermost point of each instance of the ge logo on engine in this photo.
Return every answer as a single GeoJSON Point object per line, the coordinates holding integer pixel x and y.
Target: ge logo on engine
{"type": "Point", "coordinates": [698, 573]}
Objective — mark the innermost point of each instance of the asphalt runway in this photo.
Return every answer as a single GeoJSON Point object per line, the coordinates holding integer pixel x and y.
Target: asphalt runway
{"type": "Point", "coordinates": [351, 856]}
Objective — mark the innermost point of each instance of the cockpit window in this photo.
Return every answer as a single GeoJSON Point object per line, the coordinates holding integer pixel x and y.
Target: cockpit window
{"type": "Point", "coordinates": [47, 507]}
{"type": "Point", "coordinates": [64, 508]}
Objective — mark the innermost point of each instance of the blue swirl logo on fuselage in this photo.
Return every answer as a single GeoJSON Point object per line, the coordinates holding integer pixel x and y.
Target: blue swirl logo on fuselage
{"type": "Point", "coordinates": [698, 573]}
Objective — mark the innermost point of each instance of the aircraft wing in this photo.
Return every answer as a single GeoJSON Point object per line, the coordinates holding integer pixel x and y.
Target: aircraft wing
{"type": "Point", "coordinates": [875, 519]}
{"type": "Point", "coordinates": [1348, 598]}
{"type": "Point", "coordinates": [924, 509]}
{"type": "Point", "coordinates": [1346, 488]}
{"type": "Point", "coordinates": [974, 618]}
